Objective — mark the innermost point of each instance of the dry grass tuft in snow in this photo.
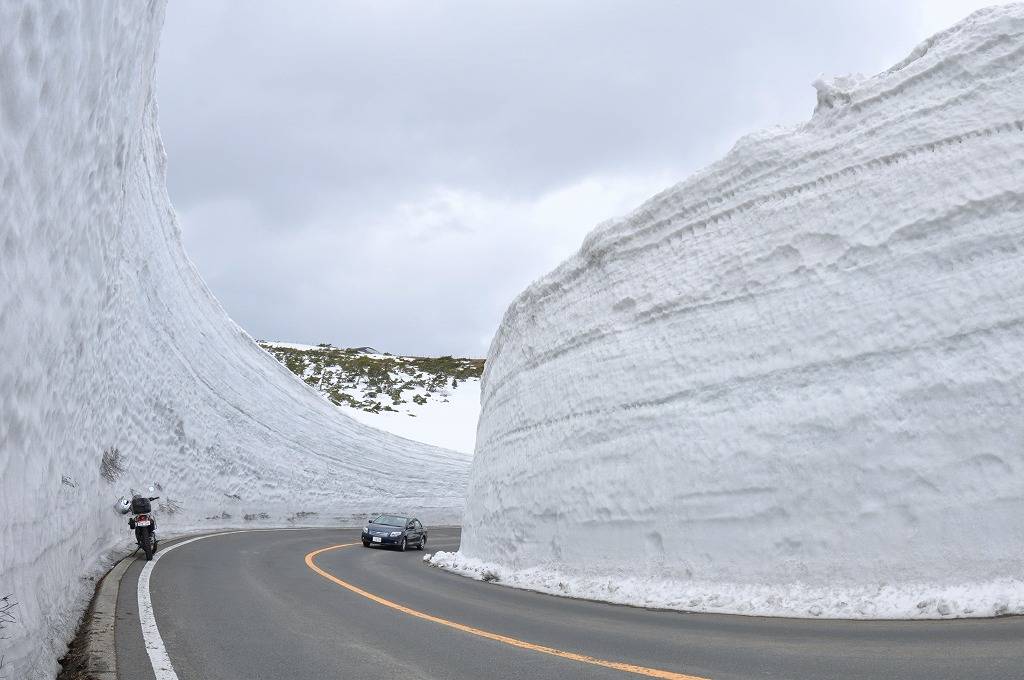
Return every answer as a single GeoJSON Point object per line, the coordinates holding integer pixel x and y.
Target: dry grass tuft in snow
{"type": "Point", "coordinates": [113, 464]}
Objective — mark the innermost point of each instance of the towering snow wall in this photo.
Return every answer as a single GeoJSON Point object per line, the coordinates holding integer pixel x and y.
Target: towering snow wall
{"type": "Point", "coordinates": [110, 340]}
{"type": "Point", "coordinates": [793, 383]}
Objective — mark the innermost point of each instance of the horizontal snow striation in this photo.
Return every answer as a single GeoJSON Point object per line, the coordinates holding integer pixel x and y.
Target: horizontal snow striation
{"type": "Point", "coordinates": [792, 384]}
{"type": "Point", "coordinates": [110, 340]}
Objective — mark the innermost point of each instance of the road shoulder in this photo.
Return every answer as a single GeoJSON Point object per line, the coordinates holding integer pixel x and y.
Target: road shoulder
{"type": "Point", "coordinates": [92, 653]}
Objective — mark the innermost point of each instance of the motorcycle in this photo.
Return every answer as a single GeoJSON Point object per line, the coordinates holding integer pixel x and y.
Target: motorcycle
{"type": "Point", "coordinates": [144, 524]}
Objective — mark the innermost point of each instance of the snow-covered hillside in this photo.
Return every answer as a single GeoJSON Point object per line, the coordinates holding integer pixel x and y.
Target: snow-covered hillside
{"type": "Point", "coordinates": [119, 368]}
{"type": "Point", "coordinates": [429, 399]}
{"type": "Point", "coordinates": [793, 383]}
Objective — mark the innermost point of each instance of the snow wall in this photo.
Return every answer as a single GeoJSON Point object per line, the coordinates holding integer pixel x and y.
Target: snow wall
{"type": "Point", "coordinates": [110, 340]}
{"type": "Point", "coordinates": [791, 385]}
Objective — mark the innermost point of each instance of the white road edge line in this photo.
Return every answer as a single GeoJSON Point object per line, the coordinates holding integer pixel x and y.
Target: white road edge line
{"type": "Point", "coordinates": [158, 658]}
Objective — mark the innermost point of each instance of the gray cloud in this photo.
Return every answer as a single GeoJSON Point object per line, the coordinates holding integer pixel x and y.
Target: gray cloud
{"type": "Point", "coordinates": [393, 173]}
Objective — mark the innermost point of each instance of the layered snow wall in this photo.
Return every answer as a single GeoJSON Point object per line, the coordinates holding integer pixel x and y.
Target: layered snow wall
{"type": "Point", "coordinates": [110, 340]}
{"type": "Point", "coordinates": [792, 384]}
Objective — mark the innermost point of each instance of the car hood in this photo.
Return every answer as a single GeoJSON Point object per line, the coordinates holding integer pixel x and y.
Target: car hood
{"type": "Point", "coordinates": [382, 528]}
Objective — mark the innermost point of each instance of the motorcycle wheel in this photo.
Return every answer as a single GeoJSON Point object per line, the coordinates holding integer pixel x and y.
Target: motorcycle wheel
{"type": "Point", "coordinates": [147, 545]}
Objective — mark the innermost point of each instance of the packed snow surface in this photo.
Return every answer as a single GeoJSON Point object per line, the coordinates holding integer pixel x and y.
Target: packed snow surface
{"type": "Point", "coordinates": [119, 368]}
{"type": "Point", "coordinates": [791, 385]}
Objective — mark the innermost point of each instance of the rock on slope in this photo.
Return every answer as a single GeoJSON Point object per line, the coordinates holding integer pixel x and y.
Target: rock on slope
{"type": "Point", "coordinates": [110, 340]}
{"type": "Point", "coordinates": [793, 383]}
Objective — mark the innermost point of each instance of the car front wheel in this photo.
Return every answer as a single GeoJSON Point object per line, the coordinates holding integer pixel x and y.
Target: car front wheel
{"type": "Point", "coordinates": [423, 543]}
{"type": "Point", "coordinates": [402, 546]}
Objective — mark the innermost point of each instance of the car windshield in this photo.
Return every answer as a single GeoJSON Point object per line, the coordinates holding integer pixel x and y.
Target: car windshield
{"type": "Point", "coordinates": [390, 520]}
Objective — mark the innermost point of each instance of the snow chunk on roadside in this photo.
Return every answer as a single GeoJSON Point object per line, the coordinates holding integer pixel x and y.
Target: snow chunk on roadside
{"type": "Point", "coordinates": [793, 600]}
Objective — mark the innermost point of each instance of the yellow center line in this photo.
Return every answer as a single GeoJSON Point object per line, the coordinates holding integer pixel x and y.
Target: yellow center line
{"type": "Point", "coordinates": [572, 656]}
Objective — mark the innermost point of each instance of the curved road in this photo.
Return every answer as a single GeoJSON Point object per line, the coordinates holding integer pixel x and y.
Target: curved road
{"type": "Point", "coordinates": [247, 606]}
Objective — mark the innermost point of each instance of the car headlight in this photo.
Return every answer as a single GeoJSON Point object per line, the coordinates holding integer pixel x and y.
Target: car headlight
{"type": "Point", "coordinates": [366, 530]}
{"type": "Point", "coordinates": [396, 534]}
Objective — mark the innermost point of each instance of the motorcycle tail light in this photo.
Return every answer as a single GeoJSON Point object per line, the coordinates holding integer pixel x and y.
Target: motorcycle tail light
{"type": "Point", "coordinates": [141, 518]}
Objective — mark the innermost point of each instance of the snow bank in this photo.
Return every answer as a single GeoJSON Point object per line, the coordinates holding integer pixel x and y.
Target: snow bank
{"type": "Point", "coordinates": [291, 345]}
{"type": "Point", "coordinates": [110, 340]}
{"type": "Point", "coordinates": [792, 384]}
{"type": "Point", "coordinates": [448, 422]}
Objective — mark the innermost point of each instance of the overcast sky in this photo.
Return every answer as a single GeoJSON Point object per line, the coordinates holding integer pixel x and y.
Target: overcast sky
{"type": "Point", "coordinates": [393, 173]}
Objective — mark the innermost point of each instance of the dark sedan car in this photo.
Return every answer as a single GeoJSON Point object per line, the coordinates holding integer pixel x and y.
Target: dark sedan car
{"type": "Point", "coordinates": [396, 531]}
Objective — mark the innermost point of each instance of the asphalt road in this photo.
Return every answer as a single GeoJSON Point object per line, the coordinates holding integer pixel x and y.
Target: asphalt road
{"type": "Point", "coordinates": [246, 606]}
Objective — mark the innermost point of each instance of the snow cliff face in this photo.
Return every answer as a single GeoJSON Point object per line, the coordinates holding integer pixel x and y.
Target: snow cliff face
{"type": "Point", "coordinates": [793, 383]}
{"type": "Point", "coordinates": [110, 340]}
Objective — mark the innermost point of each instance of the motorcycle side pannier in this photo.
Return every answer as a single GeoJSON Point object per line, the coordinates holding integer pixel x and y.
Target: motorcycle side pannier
{"type": "Point", "coordinates": [141, 506]}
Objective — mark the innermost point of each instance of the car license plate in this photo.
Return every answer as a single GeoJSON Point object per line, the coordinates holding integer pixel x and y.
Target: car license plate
{"type": "Point", "coordinates": [143, 523]}
{"type": "Point", "coordinates": [376, 539]}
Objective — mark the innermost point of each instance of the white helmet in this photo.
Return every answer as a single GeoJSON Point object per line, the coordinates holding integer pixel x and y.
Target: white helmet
{"type": "Point", "coordinates": [123, 505]}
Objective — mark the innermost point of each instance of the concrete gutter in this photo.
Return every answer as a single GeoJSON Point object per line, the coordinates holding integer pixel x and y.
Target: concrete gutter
{"type": "Point", "coordinates": [96, 658]}
{"type": "Point", "coordinates": [99, 649]}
